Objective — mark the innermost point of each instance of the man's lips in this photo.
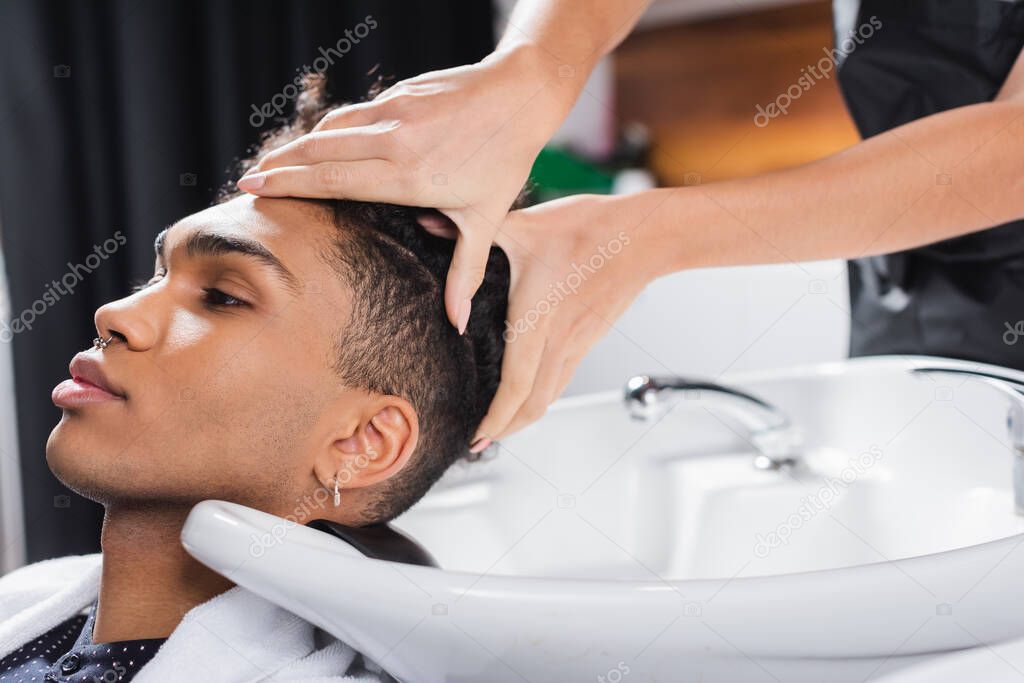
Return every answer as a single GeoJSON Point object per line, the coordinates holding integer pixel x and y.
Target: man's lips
{"type": "Point", "coordinates": [88, 384]}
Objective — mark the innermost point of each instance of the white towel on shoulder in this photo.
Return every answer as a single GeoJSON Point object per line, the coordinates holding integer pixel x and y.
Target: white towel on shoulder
{"type": "Point", "coordinates": [235, 637]}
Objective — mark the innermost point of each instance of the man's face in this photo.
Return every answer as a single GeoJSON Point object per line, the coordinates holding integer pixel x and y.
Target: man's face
{"type": "Point", "coordinates": [224, 365]}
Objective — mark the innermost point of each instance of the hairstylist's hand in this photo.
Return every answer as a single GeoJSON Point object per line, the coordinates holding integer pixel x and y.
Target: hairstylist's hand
{"type": "Point", "coordinates": [460, 140]}
{"type": "Point", "coordinates": [577, 264]}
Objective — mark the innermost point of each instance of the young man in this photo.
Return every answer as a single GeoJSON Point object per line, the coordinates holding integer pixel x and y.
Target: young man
{"type": "Point", "coordinates": [284, 351]}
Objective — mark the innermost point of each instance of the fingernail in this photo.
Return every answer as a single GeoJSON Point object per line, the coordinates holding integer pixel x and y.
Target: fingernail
{"type": "Point", "coordinates": [464, 309]}
{"type": "Point", "coordinates": [479, 445]}
{"type": "Point", "coordinates": [251, 182]}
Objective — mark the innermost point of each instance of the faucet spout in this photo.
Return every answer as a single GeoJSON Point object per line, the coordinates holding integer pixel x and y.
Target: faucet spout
{"type": "Point", "coordinates": [769, 429]}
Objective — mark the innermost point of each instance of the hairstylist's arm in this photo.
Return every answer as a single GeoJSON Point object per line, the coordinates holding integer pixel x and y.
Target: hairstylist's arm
{"type": "Point", "coordinates": [460, 140]}
{"type": "Point", "coordinates": [938, 177]}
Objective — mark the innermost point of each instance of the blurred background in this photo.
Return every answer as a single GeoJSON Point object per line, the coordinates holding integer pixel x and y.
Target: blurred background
{"type": "Point", "coordinates": [119, 116]}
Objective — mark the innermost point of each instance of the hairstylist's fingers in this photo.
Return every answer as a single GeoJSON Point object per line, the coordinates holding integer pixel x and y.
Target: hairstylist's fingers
{"type": "Point", "coordinates": [568, 371]}
{"type": "Point", "coordinates": [350, 115]}
{"type": "Point", "coordinates": [469, 263]}
{"type": "Point", "coordinates": [371, 180]}
{"type": "Point", "coordinates": [351, 144]}
{"type": "Point", "coordinates": [556, 370]}
{"type": "Point", "coordinates": [543, 393]}
{"type": "Point", "coordinates": [436, 223]}
{"type": "Point", "coordinates": [519, 367]}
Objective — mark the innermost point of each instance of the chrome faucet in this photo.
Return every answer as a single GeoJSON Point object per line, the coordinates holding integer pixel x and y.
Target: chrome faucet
{"type": "Point", "coordinates": [1014, 390]}
{"type": "Point", "coordinates": [769, 429]}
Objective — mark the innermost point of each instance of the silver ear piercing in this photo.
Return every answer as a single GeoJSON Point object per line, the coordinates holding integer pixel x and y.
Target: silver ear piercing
{"type": "Point", "coordinates": [337, 494]}
{"type": "Point", "coordinates": [100, 343]}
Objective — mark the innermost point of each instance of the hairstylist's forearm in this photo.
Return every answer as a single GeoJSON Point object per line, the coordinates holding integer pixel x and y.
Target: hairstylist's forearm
{"type": "Point", "coordinates": [575, 33]}
{"type": "Point", "coordinates": [936, 178]}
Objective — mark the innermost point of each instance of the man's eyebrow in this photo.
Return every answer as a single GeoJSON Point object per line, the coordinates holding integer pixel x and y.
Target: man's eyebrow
{"type": "Point", "coordinates": [203, 243]}
{"type": "Point", "coordinates": [158, 244]}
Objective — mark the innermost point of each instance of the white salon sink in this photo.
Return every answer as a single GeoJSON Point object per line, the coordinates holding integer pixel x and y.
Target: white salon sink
{"type": "Point", "coordinates": [593, 542]}
{"type": "Point", "coordinates": [895, 465]}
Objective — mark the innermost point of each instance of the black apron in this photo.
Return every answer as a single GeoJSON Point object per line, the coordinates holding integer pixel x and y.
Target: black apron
{"type": "Point", "coordinates": [964, 297]}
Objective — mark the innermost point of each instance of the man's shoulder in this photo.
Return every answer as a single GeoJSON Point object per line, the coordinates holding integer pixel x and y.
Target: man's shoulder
{"type": "Point", "coordinates": [37, 597]}
{"type": "Point", "coordinates": [53, 573]}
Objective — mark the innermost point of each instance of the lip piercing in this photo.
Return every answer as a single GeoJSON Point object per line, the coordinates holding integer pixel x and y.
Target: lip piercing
{"type": "Point", "coordinates": [99, 343]}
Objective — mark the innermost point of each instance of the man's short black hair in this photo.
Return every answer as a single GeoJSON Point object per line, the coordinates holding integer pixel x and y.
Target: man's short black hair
{"type": "Point", "coordinates": [398, 339]}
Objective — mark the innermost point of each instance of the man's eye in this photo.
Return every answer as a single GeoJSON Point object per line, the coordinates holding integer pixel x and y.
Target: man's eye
{"type": "Point", "coordinates": [215, 297]}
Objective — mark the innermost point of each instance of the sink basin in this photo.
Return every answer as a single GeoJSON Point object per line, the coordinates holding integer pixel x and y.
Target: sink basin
{"type": "Point", "coordinates": [595, 546]}
{"type": "Point", "coordinates": [998, 663]}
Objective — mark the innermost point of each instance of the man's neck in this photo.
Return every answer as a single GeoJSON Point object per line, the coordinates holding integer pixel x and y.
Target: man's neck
{"type": "Point", "coordinates": [149, 582]}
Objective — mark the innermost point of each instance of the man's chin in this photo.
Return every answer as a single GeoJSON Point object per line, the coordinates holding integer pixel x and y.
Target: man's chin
{"type": "Point", "coordinates": [88, 463]}
{"type": "Point", "coordinates": [76, 458]}
{"type": "Point", "coordinates": [85, 438]}
{"type": "Point", "coordinates": [60, 440]}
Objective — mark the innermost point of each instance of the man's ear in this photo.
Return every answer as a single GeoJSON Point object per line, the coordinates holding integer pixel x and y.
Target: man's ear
{"type": "Point", "coordinates": [374, 438]}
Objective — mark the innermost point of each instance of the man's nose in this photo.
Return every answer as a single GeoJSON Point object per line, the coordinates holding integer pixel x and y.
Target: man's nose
{"type": "Point", "coordinates": [131, 319]}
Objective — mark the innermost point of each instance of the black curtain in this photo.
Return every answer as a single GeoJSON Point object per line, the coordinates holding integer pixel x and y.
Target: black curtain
{"type": "Point", "coordinates": [125, 116]}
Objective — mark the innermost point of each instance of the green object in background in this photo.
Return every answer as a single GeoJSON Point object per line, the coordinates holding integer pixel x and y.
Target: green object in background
{"type": "Point", "coordinates": [559, 173]}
